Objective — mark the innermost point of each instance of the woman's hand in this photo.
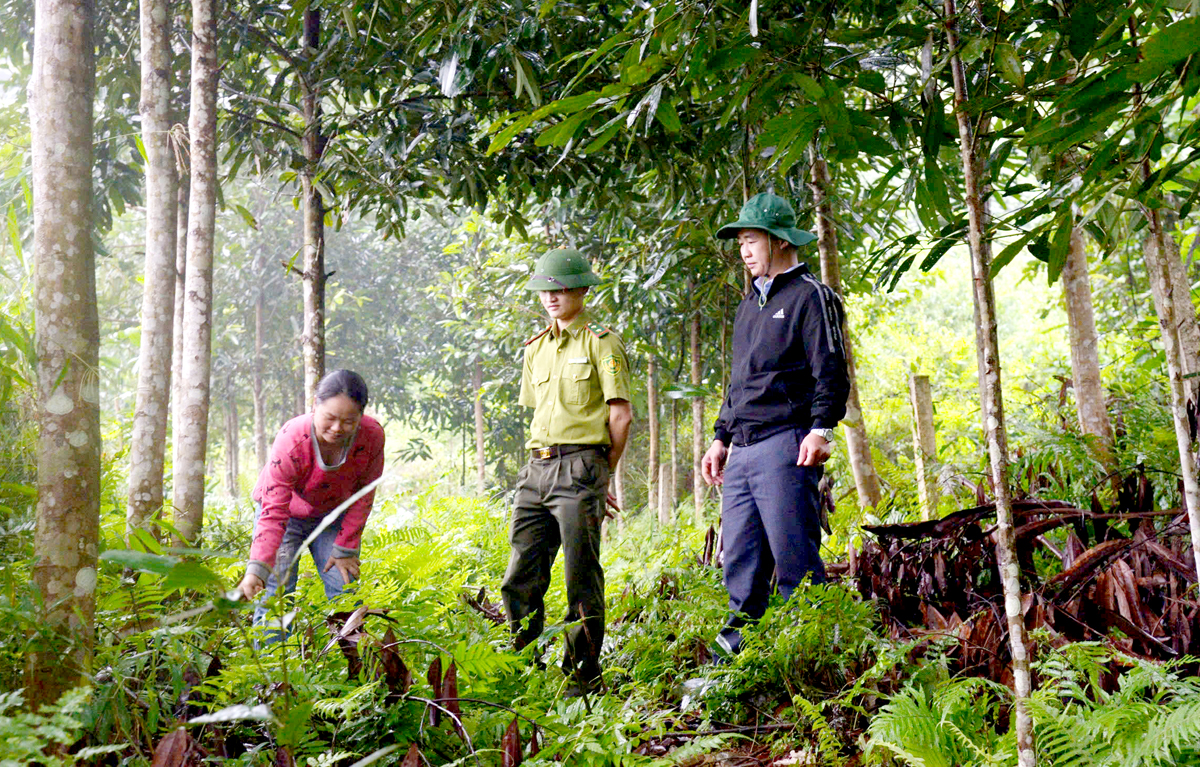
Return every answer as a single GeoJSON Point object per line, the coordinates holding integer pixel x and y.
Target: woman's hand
{"type": "Point", "coordinates": [250, 586]}
{"type": "Point", "coordinates": [347, 566]}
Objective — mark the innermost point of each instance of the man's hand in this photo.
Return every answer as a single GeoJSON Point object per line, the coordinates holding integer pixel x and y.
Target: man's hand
{"type": "Point", "coordinates": [611, 500]}
{"type": "Point", "coordinates": [814, 451]}
{"type": "Point", "coordinates": [347, 566]}
{"type": "Point", "coordinates": [250, 586]}
{"type": "Point", "coordinates": [712, 466]}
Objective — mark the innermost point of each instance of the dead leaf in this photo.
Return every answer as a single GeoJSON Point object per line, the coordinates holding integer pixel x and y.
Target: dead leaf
{"type": "Point", "coordinates": [435, 681]}
{"type": "Point", "coordinates": [510, 746]}
{"type": "Point", "coordinates": [172, 750]}
{"type": "Point", "coordinates": [412, 758]}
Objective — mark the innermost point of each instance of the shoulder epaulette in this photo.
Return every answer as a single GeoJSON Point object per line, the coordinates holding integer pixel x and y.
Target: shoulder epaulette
{"type": "Point", "coordinates": [598, 330]}
{"type": "Point", "coordinates": [545, 330]}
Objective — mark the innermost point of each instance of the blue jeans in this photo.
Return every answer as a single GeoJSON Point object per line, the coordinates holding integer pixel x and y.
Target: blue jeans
{"type": "Point", "coordinates": [770, 525]}
{"type": "Point", "coordinates": [321, 550]}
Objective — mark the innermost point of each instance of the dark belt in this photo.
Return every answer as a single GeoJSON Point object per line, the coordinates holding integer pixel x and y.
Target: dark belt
{"type": "Point", "coordinates": [556, 451]}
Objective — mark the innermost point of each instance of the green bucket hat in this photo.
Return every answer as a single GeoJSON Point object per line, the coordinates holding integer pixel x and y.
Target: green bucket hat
{"type": "Point", "coordinates": [562, 269]}
{"type": "Point", "coordinates": [769, 212]}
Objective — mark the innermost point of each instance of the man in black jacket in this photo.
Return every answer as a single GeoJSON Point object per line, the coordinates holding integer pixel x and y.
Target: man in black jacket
{"type": "Point", "coordinates": [787, 392]}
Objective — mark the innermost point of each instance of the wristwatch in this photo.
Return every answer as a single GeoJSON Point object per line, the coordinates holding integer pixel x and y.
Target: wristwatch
{"type": "Point", "coordinates": [825, 434]}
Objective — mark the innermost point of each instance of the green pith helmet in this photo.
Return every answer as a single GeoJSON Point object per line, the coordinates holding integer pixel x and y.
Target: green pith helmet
{"type": "Point", "coordinates": [771, 213]}
{"type": "Point", "coordinates": [562, 269]}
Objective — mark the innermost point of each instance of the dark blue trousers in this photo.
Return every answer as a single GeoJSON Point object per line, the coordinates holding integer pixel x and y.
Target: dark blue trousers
{"type": "Point", "coordinates": [769, 525]}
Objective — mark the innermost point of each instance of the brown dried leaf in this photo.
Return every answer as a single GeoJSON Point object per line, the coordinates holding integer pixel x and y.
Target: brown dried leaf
{"type": "Point", "coordinates": [172, 750]}
{"type": "Point", "coordinates": [435, 681]}
{"type": "Point", "coordinates": [1090, 561]}
{"type": "Point", "coordinates": [449, 691]}
{"type": "Point", "coordinates": [535, 741]}
{"type": "Point", "coordinates": [396, 675]}
{"type": "Point", "coordinates": [510, 746]}
{"type": "Point", "coordinates": [1072, 551]}
{"type": "Point", "coordinates": [412, 758]}
{"type": "Point", "coordinates": [284, 758]}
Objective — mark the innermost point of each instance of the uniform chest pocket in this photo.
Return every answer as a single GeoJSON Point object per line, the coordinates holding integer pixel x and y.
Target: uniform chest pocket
{"type": "Point", "coordinates": [577, 384]}
{"type": "Point", "coordinates": [540, 379]}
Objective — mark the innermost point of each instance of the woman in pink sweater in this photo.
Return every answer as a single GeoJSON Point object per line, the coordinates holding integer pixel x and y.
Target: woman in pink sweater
{"type": "Point", "coordinates": [318, 460]}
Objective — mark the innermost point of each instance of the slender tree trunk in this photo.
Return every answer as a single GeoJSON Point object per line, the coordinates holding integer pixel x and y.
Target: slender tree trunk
{"type": "Point", "coordinates": [147, 448]}
{"type": "Point", "coordinates": [232, 451]}
{"type": "Point", "coordinates": [698, 432]}
{"type": "Point", "coordinates": [260, 405]}
{"type": "Point", "coordinates": [1085, 350]}
{"type": "Point", "coordinates": [858, 444]}
{"type": "Point", "coordinates": [192, 439]}
{"type": "Point", "coordinates": [183, 202]}
{"type": "Point", "coordinates": [993, 403]}
{"type": "Point", "coordinates": [674, 494]}
{"type": "Point", "coordinates": [652, 427]}
{"type": "Point", "coordinates": [67, 340]}
{"type": "Point", "coordinates": [480, 442]}
{"type": "Point", "coordinates": [1167, 270]}
{"type": "Point", "coordinates": [314, 219]}
{"type": "Point", "coordinates": [924, 443]}
{"type": "Point", "coordinates": [1170, 324]}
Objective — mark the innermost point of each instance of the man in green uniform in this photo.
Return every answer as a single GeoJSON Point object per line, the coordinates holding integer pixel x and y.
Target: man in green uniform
{"type": "Point", "coordinates": [576, 379]}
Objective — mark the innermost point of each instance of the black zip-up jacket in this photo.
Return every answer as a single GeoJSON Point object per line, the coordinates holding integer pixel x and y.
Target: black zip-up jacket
{"type": "Point", "coordinates": [789, 362]}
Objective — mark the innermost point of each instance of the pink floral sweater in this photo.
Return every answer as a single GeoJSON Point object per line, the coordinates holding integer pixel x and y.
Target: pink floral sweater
{"type": "Point", "coordinates": [296, 483]}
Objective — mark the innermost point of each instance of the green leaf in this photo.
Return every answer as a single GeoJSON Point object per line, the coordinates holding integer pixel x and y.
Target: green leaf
{"type": "Point", "coordinates": [248, 217]}
{"type": "Point", "coordinates": [937, 184]}
{"type": "Point", "coordinates": [560, 134]}
{"type": "Point", "coordinates": [606, 135]}
{"type": "Point", "coordinates": [140, 560]}
{"type": "Point", "coordinates": [1009, 64]}
{"type": "Point", "coordinates": [809, 86]}
{"type": "Point", "coordinates": [14, 233]}
{"type": "Point", "coordinates": [1008, 254]}
{"type": "Point", "coordinates": [871, 80]}
{"type": "Point", "coordinates": [1169, 45]}
{"type": "Point", "coordinates": [732, 57]}
{"type": "Point", "coordinates": [1060, 246]}
{"type": "Point", "coordinates": [669, 117]}
{"type": "Point", "coordinates": [569, 104]}
{"type": "Point", "coordinates": [502, 138]}
{"type": "Point", "coordinates": [641, 72]}
{"type": "Point", "coordinates": [190, 575]}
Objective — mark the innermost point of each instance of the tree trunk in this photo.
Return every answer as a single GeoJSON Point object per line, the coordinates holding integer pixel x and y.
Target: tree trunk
{"type": "Point", "coordinates": [192, 439]}
{"type": "Point", "coordinates": [993, 404]}
{"type": "Point", "coordinates": [1170, 272]}
{"type": "Point", "coordinates": [652, 427]}
{"type": "Point", "coordinates": [260, 404]}
{"type": "Point", "coordinates": [183, 202]}
{"type": "Point", "coordinates": [1085, 350]}
{"type": "Point", "coordinates": [147, 448]}
{"type": "Point", "coordinates": [924, 444]}
{"type": "Point", "coordinates": [480, 442]}
{"type": "Point", "coordinates": [232, 452]}
{"type": "Point", "coordinates": [1171, 325]}
{"type": "Point", "coordinates": [858, 445]}
{"type": "Point", "coordinates": [67, 340]}
{"type": "Point", "coordinates": [314, 220]}
{"type": "Point", "coordinates": [699, 489]}
{"type": "Point", "coordinates": [673, 486]}
{"type": "Point", "coordinates": [663, 502]}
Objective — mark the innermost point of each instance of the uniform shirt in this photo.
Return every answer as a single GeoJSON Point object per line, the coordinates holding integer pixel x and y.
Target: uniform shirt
{"type": "Point", "coordinates": [568, 379]}
{"type": "Point", "coordinates": [789, 362]}
{"type": "Point", "coordinates": [297, 483]}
